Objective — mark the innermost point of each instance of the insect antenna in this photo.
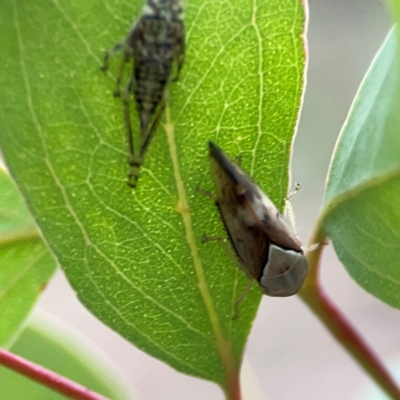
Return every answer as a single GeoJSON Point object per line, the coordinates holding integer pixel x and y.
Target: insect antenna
{"type": "Point", "coordinates": [289, 208]}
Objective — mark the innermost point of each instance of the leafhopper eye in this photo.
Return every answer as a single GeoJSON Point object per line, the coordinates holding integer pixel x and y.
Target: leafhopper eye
{"type": "Point", "coordinates": [267, 249]}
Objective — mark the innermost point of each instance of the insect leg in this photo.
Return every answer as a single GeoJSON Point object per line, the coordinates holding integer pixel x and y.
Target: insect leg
{"type": "Point", "coordinates": [109, 53]}
{"type": "Point", "coordinates": [239, 160]}
{"type": "Point", "coordinates": [206, 239]}
{"type": "Point", "coordinates": [229, 253]}
{"type": "Point", "coordinates": [132, 158]}
{"type": "Point", "coordinates": [205, 193]}
{"type": "Point", "coordinates": [225, 247]}
{"type": "Point", "coordinates": [241, 298]}
{"type": "Point", "coordinates": [180, 51]}
{"type": "Point", "coordinates": [124, 60]}
{"type": "Point", "coordinates": [136, 160]}
{"type": "Point", "coordinates": [153, 128]}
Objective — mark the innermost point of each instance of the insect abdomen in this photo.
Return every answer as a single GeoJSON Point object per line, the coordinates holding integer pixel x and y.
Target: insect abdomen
{"type": "Point", "coordinates": [155, 42]}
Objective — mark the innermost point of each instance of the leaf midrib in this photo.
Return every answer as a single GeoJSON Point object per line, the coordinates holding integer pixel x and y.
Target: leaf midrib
{"type": "Point", "coordinates": [7, 288]}
{"type": "Point", "coordinates": [222, 344]}
{"type": "Point", "coordinates": [19, 235]}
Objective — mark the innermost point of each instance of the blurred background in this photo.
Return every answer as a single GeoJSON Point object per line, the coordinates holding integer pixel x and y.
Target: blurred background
{"type": "Point", "coordinates": [291, 354]}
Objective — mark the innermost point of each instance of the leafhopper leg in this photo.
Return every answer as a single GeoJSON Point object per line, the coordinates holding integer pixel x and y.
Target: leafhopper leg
{"type": "Point", "coordinates": [239, 160]}
{"type": "Point", "coordinates": [241, 298]}
{"type": "Point", "coordinates": [124, 60]}
{"type": "Point", "coordinates": [136, 160]}
{"type": "Point", "coordinates": [133, 161]}
{"type": "Point", "coordinates": [206, 239]}
{"type": "Point", "coordinates": [153, 128]}
{"type": "Point", "coordinates": [205, 193]}
{"type": "Point", "coordinates": [222, 242]}
{"type": "Point", "coordinates": [180, 52]}
{"type": "Point", "coordinates": [109, 53]}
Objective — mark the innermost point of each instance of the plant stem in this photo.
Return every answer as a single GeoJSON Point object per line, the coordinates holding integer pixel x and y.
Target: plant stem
{"type": "Point", "coordinates": [232, 390]}
{"type": "Point", "coordinates": [341, 328]}
{"type": "Point", "coordinates": [46, 377]}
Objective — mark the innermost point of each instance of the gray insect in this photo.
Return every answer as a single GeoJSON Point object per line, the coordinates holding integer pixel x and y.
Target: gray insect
{"type": "Point", "coordinates": [154, 43]}
{"type": "Point", "coordinates": [267, 250]}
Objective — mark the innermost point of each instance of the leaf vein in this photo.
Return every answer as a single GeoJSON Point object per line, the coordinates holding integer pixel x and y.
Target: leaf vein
{"type": "Point", "coordinates": [210, 68]}
{"type": "Point", "coordinates": [261, 86]}
{"type": "Point", "coordinates": [21, 274]}
{"type": "Point", "coordinates": [223, 345]}
{"type": "Point", "coordinates": [367, 266]}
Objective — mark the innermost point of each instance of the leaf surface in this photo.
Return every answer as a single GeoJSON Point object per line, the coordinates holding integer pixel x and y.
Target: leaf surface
{"type": "Point", "coordinates": [135, 258]}
{"type": "Point", "coordinates": [26, 264]}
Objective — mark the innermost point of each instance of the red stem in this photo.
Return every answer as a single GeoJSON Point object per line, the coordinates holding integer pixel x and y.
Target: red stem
{"type": "Point", "coordinates": [233, 387]}
{"type": "Point", "coordinates": [350, 339]}
{"type": "Point", "coordinates": [342, 329]}
{"type": "Point", "coordinates": [46, 377]}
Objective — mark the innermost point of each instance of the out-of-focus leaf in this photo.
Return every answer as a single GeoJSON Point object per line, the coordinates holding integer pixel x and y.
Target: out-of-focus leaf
{"type": "Point", "coordinates": [135, 258]}
{"type": "Point", "coordinates": [361, 211]}
{"type": "Point", "coordinates": [62, 351]}
{"type": "Point", "coordinates": [25, 263]}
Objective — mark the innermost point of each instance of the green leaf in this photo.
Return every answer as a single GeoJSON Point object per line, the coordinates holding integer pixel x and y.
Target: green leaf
{"type": "Point", "coordinates": [26, 264]}
{"type": "Point", "coordinates": [51, 346]}
{"type": "Point", "coordinates": [394, 6]}
{"type": "Point", "coordinates": [361, 213]}
{"type": "Point", "coordinates": [135, 258]}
